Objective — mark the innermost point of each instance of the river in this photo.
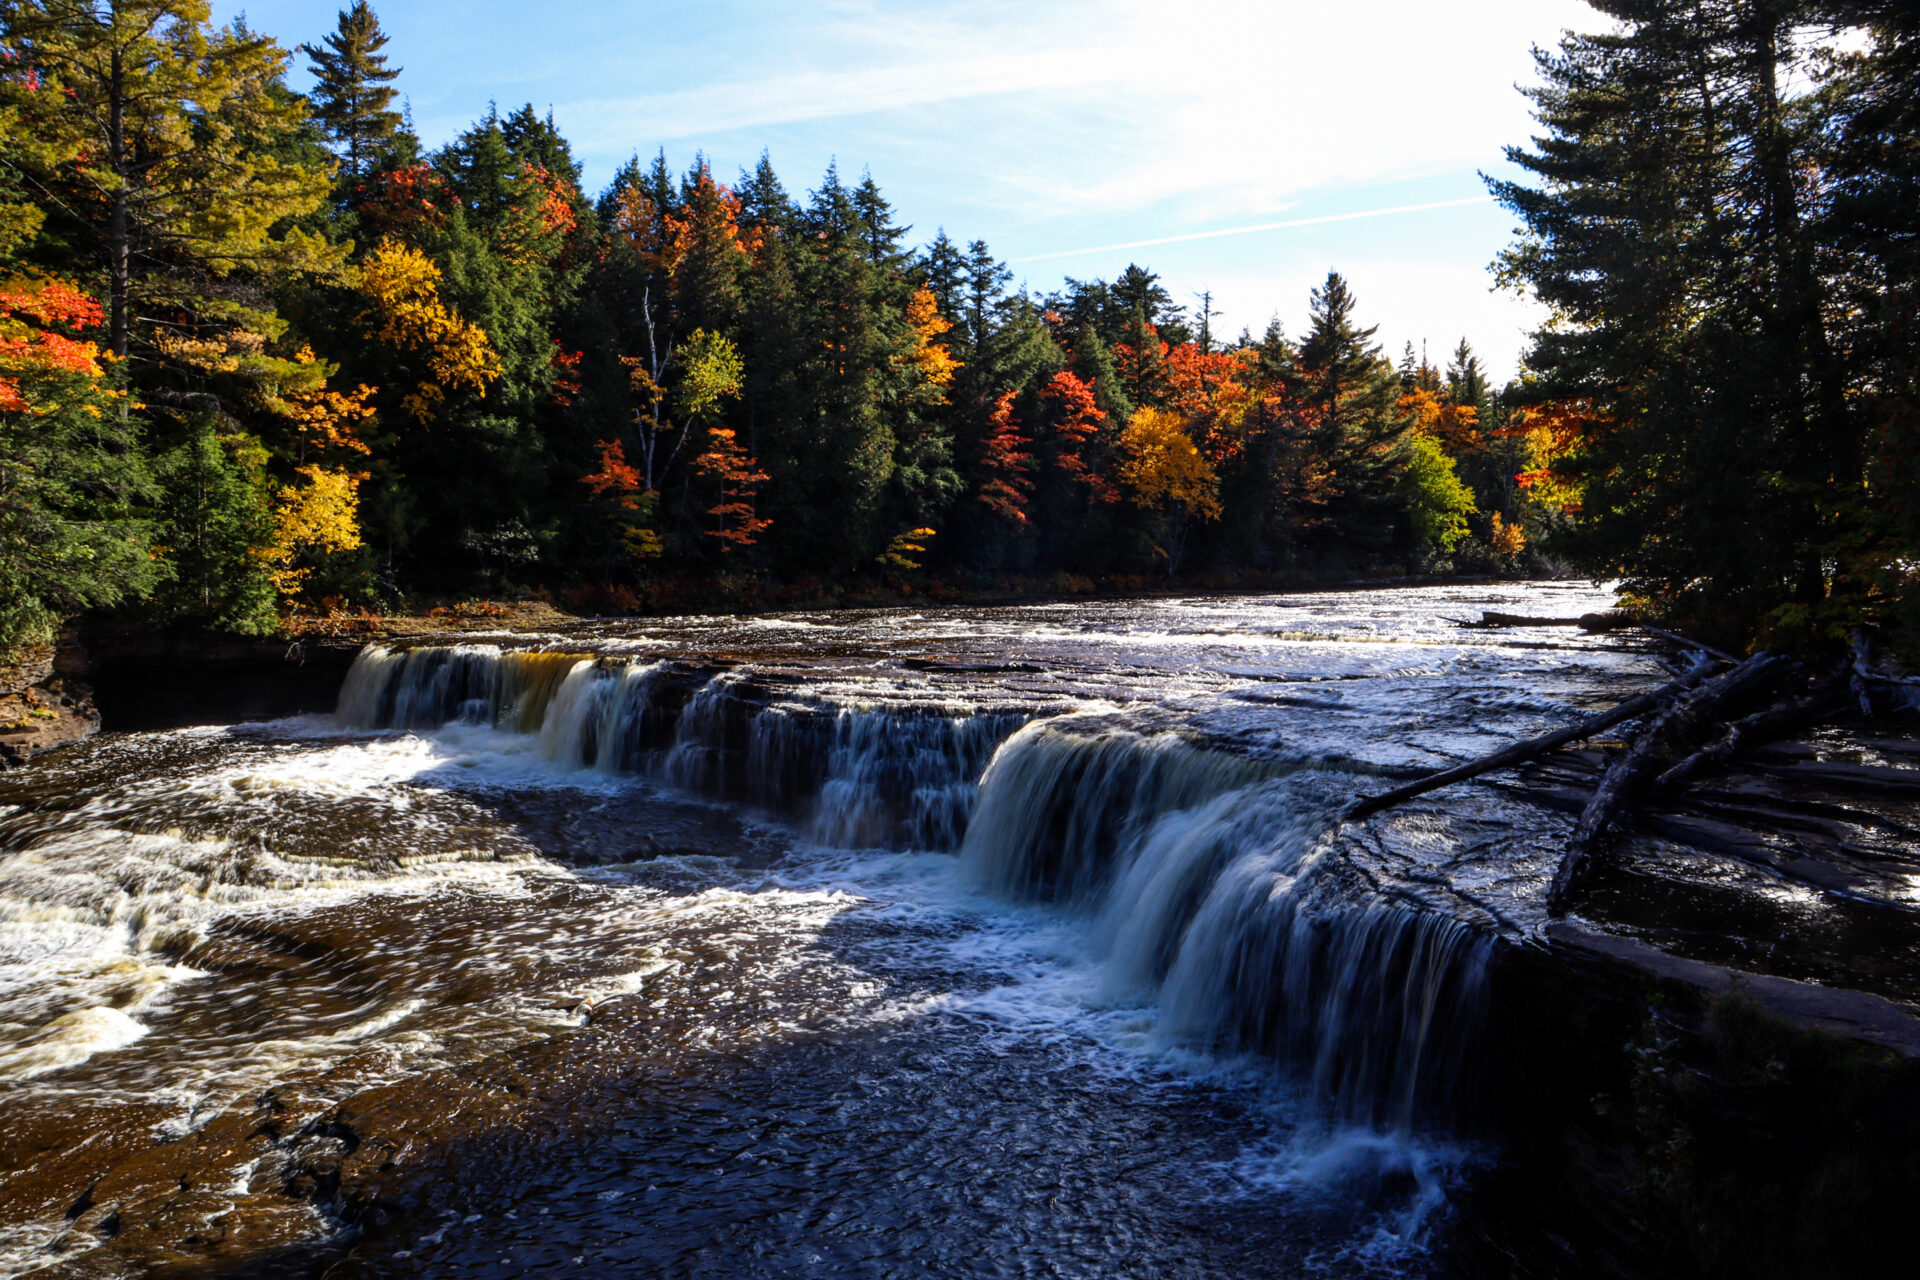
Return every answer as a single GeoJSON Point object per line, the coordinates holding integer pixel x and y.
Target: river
{"type": "Point", "coordinates": [959, 942]}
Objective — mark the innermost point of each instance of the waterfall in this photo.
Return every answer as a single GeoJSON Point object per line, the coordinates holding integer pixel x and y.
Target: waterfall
{"type": "Point", "coordinates": [1217, 887]}
{"type": "Point", "coordinates": [433, 685]}
{"type": "Point", "coordinates": [595, 716]}
{"type": "Point", "coordinates": [858, 777]}
{"type": "Point", "coordinates": [1055, 806]}
{"type": "Point", "coordinates": [1214, 882]}
{"type": "Point", "coordinates": [904, 781]}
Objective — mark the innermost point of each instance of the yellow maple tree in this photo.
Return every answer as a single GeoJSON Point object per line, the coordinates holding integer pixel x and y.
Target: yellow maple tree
{"type": "Point", "coordinates": [928, 354]}
{"type": "Point", "coordinates": [1438, 416]}
{"type": "Point", "coordinates": [403, 287]}
{"type": "Point", "coordinates": [1162, 467]}
{"type": "Point", "coordinates": [323, 420]}
{"type": "Point", "coordinates": [311, 521]}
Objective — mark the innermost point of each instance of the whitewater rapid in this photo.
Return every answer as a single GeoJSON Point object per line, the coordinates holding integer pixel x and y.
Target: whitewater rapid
{"type": "Point", "coordinates": [1097, 837]}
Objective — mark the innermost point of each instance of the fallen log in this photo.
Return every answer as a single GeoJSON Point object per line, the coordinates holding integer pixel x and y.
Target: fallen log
{"type": "Point", "coordinates": [1521, 752]}
{"type": "Point", "coordinates": [1681, 720]}
{"type": "Point", "coordinates": [1689, 642]}
{"type": "Point", "coordinates": [1762, 726]}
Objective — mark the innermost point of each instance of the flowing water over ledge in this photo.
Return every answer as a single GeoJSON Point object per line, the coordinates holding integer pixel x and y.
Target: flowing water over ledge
{"type": "Point", "coordinates": [961, 942]}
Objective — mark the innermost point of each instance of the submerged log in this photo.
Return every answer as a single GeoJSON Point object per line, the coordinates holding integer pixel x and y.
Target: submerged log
{"type": "Point", "coordinates": [1682, 720]}
{"type": "Point", "coordinates": [1489, 618]}
{"type": "Point", "coordinates": [1521, 752]}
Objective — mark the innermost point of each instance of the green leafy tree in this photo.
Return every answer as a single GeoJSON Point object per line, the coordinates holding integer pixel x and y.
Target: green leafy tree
{"type": "Point", "coordinates": [1437, 503]}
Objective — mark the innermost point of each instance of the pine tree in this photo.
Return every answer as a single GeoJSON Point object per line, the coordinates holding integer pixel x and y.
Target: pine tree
{"type": "Point", "coordinates": [1672, 233]}
{"type": "Point", "coordinates": [764, 202]}
{"type": "Point", "coordinates": [944, 268]}
{"type": "Point", "coordinates": [351, 94]}
{"type": "Point", "coordinates": [1355, 392]}
{"type": "Point", "coordinates": [1466, 380]}
{"type": "Point", "coordinates": [171, 185]}
{"type": "Point", "coordinates": [1140, 290]}
{"type": "Point", "coordinates": [878, 230]}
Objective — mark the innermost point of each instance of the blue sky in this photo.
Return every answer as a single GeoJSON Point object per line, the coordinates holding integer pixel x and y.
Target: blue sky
{"type": "Point", "coordinates": [1055, 129]}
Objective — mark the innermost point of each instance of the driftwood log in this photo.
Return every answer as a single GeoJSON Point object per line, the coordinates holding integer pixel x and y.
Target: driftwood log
{"type": "Point", "coordinates": [1610, 620]}
{"type": "Point", "coordinates": [1684, 719]}
{"type": "Point", "coordinates": [1521, 752]}
{"type": "Point", "coordinates": [1685, 726]}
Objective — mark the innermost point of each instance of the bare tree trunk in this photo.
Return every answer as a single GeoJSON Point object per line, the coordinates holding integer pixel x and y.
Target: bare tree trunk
{"type": "Point", "coordinates": [119, 256]}
{"type": "Point", "coordinates": [1521, 752]}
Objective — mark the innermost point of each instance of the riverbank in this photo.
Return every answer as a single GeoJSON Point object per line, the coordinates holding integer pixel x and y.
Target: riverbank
{"type": "Point", "coordinates": [41, 708]}
{"type": "Point", "coordinates": [123, 675]}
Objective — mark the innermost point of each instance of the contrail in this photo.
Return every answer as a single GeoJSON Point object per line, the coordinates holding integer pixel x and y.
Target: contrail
{"type": "Point", "coordinates": [1262, 226]}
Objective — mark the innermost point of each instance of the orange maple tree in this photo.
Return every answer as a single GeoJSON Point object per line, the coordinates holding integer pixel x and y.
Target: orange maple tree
{"type": "Point", "coordinates": [407, 201]}
{"type": "Point", "coordinates": [616, 478]}
{"type": "Point", "coordinates": [29, 342]}
{"type": "Point", "coordinates": [1076, 429]}
{"type": "Point", "coordinates": [1005, 486]}
{"type": "Point", "coordinates": [740, 479]}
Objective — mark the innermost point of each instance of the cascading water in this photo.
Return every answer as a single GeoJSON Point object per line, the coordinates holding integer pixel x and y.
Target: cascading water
{"type": "Point", "coordinates": [902, 777]}
{"type": "Point", "coordinates": [1214, 877]}
{"type": "Point", "coordinates": [237, 965]}
{"type": "Point", "coordinates": [433, 685]}
{"type": "Point", "coordinates": [1217, 882]}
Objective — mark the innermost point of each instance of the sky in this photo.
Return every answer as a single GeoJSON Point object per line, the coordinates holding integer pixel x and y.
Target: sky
{"type": "Point", "coordinates": [1241, 149]}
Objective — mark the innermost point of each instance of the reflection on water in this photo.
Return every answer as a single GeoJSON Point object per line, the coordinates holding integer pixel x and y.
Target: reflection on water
{"type": "Point", "coordinates": [653, 945]}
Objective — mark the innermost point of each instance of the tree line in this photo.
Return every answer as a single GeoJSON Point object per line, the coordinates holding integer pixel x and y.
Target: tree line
{"type": "Point", "coordinates": [265, 353]}
{"type": "Point", "coordinates": [261, 353]}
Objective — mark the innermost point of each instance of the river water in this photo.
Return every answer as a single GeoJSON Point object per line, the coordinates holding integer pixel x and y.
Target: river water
{"type": "Point", "coordinates": [947, 942]}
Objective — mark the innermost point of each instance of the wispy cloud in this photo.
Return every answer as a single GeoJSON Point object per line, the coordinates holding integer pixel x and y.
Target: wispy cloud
{"type": "Point", "coordinates": [821, 95]}
{"type": "Point", "coordinates": [1255, 228]}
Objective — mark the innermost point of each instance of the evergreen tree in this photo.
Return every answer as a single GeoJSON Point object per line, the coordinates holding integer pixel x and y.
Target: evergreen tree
{"type": "Point", "coordinates": [170, 186]}
{"type": "Point", "coordinates": [1671, 231]}
{"type": "Point", "coordinates": [213, 516]}
{"type": "Point", "coordinates": [351, 94]}
{"type": "Point", "coordinates": [764, 202]}
{"type": "Point", "coordinates": [1356, 394]}
{"type": "Point", "coordinates": [71, 473]}
{"type": "Point", "coordinates": [944, 269]}
{"type": "Point", "coordinates": [1139, 291]}
{"type": "Point", "coordinates": [1466, 381]}
{"type": "Point", "coordinates": [878, 230]}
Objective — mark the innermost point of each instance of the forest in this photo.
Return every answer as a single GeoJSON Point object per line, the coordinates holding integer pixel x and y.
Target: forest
{"type": "Point", "coordinates": [263, 357]}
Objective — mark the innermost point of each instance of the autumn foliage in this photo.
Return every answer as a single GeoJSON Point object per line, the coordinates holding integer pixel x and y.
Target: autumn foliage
{"type": "Point", "coordinates": [32, 311]}
{"type": "Point", "coordinates": [1078, 422]}
{"type": "Point", "coordinates": [739, 478]}
{"type": "Point", "coordinates": [1004, 463]}
{"type": "Point", "coordinates": [405, 310]}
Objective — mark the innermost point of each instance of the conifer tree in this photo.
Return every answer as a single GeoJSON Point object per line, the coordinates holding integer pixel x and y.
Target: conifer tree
{"type": "Point", "coordinates": [1466, 380]}
{"type": "Point", "coordinates": [1356, 394]}
{"type": "Point", "coordinates": [351, 94]}
{"type": "Point", "coordinates": [1673, 233]}
{"type": "Point", "coordinates": [170, 184]}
